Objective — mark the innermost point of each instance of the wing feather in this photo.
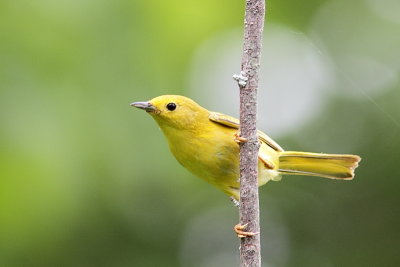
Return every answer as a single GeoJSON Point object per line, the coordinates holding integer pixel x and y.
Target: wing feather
{"type": "Point", "coordinates": [234, 123]}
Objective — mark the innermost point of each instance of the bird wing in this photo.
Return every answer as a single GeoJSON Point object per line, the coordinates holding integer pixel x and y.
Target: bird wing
{"type": "Point", "coordinates": [234, 123]}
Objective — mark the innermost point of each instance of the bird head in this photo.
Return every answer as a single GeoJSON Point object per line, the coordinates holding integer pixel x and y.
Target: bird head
{"type": "Point", "coordinates": [174, 111]}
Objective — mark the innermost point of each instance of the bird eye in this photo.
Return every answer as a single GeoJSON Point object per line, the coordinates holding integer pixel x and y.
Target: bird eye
{"type": "Point", "coordinates": [171, 106]}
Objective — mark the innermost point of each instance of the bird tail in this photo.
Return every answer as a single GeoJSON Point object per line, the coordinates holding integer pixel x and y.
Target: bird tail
{"type": "Point", "coordinates": [333, 166]}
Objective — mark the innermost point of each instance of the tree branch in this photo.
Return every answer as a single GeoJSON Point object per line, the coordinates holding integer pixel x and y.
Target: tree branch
{"type": "Point", "coordinates": [248, 83]}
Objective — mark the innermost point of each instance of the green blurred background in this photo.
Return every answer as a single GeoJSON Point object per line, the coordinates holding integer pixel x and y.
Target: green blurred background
{"type": "Point", "coordinates": [88, 181]}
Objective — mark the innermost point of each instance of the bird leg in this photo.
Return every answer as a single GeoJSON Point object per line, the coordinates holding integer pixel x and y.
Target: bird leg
{"type": "Point", "coordinates": [239, 230]}
{"type": "Point", "coordinates": [238, 139]}
{"type": "Point", "coordinates": [234, 201]}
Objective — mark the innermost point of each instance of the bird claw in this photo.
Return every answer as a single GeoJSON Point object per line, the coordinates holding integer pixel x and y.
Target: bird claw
{"type": "Point", "coordinates": [238, 139]}
{"type": "Point", "coordinates": [240, 233]}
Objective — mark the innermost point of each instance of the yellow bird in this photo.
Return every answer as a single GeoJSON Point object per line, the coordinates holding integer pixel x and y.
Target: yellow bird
{"type": "Point", "coordinates": [206, 143]}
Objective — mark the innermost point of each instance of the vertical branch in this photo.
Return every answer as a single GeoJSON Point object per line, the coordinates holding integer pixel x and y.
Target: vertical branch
{"type": "Point", "coordinates": [248, 83]}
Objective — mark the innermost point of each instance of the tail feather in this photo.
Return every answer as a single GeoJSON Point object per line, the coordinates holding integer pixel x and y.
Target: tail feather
{"type": "Point", "coordinates": [333, 166]}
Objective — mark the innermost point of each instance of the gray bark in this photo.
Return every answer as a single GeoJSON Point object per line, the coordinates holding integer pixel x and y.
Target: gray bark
{"type": "Point", "coordinates": [250, 250]}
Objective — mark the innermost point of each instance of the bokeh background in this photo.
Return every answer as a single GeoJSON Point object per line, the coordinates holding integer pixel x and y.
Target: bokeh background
{"type": "Point", "coordinates": [86, 180]}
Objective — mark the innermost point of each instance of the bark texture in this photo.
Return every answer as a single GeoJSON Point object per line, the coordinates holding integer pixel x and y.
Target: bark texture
{"type": "Point", "coordinates": [248, 83]}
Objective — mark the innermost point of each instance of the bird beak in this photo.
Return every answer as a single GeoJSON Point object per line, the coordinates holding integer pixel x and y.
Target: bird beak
{"type": "Point", "coordinates": [144, 105]}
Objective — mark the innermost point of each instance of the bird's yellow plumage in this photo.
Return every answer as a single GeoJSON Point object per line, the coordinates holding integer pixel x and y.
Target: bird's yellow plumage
{"type": "Point", "coordinates": [204, 143]}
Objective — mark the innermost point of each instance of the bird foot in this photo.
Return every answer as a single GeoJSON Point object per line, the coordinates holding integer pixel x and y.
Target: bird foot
{"type": "Point", "coordinates": [238, 139]}
{"type": "Point", "coordinates": [234, 201]}
{"type": "Point", "coordinates": [240, 233]}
